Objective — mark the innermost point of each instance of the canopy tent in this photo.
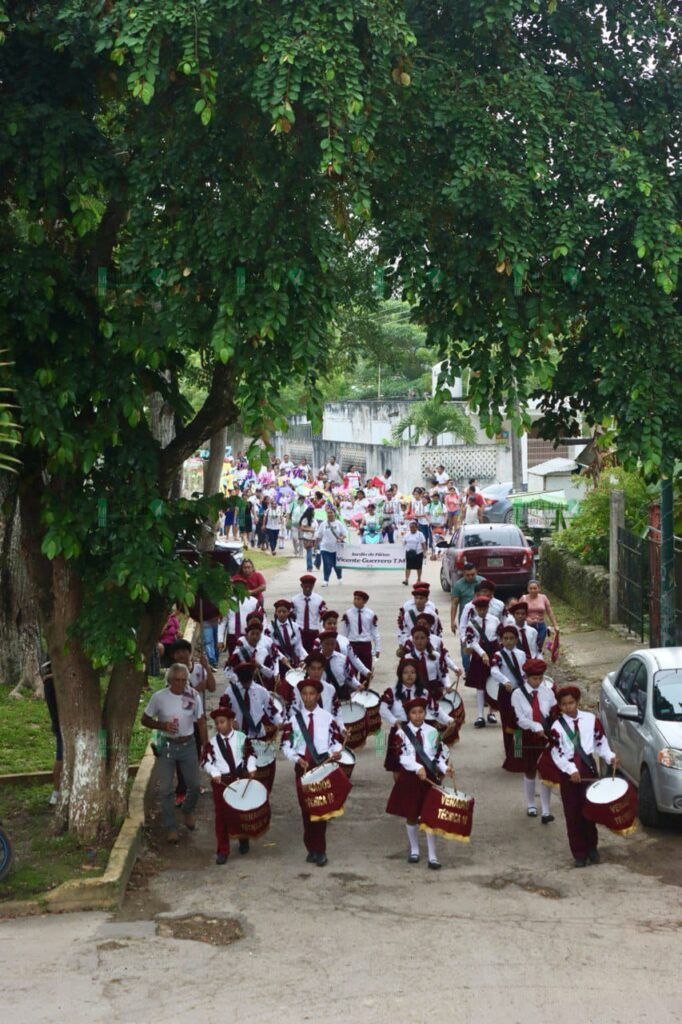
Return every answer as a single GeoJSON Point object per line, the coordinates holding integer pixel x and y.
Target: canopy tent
{"type": "Point", "coordinates": [543, 509]}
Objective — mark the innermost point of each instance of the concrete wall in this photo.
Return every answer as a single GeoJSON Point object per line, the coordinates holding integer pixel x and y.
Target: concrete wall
{"type": "Point", "coordinates": [585, 587]}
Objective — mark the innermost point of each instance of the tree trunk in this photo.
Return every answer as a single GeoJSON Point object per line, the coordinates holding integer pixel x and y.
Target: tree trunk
{"type": "Point", "coordinates": [213, 470]}
{"type": "Point", "coordinates": [20, 646]}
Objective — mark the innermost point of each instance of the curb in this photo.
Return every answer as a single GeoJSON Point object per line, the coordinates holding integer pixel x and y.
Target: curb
{"type": "Point", "coordinates": [107, 891]}
{"type": "Point", "coordinates": [17, 778]}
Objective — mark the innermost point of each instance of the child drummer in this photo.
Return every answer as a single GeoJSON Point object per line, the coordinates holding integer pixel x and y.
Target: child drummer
{"type": "Point", "coordinates": [227, 756]}
{"type": "Point", "coordinates": [576, 736]}
{"type": "Point", "coordinates": [311, 737]}
{"type": "Point", "coordinates": [422, 762]}
{"type": "Point", "coordinates": [532, 703]}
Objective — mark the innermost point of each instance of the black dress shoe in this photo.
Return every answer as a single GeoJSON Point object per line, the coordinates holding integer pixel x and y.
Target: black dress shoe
{"type": "Point", "coordinates": [492, 720]}
{"type": "Point", "coordinates": [311, 858]}
{"type": "Point", "coordinates": [221, 858]}
{"type": "Point", "coordinates": [593, 856]}
{"type": "Point", "coordinates": [413, 858]}
{"type": "Point", "coordinates": [546, 818]}
{"type": "Point", "coordinates": [321, 859]}
{"type": "Point", "coordinates": [479, 723]}
{"type": "Point", "coordinates": [580, 863]}
{"type": "Point", "coordinates": [434, 865]}
{"type": "Point", "coordinates": [244, 846]}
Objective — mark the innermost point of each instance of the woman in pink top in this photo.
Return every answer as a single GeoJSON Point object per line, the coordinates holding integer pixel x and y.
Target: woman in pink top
{"type": "Point", "coordinates": [169, 636]}
{"type": "Point", "coordinates": [538, 607]}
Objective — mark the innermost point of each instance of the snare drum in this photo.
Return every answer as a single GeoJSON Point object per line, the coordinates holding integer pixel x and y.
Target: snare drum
{"type": "Point", "coordinates": [347, 761]}
{"type": "Point", "coordinates": [447, 812]}
{"type": "Point", "coordinates": [612, 803]}
{"type": "Point", "coordinates": [266, 764]}
{"type": "Point", "coordinates": [323, 791]}
{"type": "Point", "coordinates": [294, 677]}
{"type": "Point", "coordinates": [492, 688]}
{"type": "Point", "coordinates": [355, 721]}
{"type": "Point", "coordinates": [249, 808]}
{"type": "Point", "coordinates": [370, 701]}
{"type": "Point", "coordinates": [457, 707]}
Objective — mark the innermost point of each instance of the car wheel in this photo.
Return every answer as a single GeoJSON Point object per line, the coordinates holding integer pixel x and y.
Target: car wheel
{"type": "Point", "coordinates": [509, 515]}
{"type": "Point", "coordinates": [647, 811]}
{"type": "Point", "coordinates": [444, 581]}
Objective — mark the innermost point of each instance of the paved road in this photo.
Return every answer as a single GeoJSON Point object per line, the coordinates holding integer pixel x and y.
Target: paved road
{"type": "Point", "coordinates": [507, 931]}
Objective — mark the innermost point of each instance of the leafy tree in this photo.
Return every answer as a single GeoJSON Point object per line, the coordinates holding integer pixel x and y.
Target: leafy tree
{"type": "Point", "coordinates": [527, 192]}
{"type": "Point", "coordinates": [180, 184]}
{"type": "Point", "coordinates": [433, 417]}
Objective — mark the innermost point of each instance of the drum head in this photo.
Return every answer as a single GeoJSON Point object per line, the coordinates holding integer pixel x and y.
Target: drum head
{"type": "Point", "coordinates": [456, 794]}
{"type": "Point", "coordinates": [279, 703]}
{"type": "Point", "coordinates": [446, 705]}
{"type": "Point", "coordinates": [240, 797]}
{"type": "Point", "coordinates": [265, 752]}
{"type": "Point", "coordinates": [294, 676]}
{"type": "Point", "coordinates": [455, 698]}
{"type": "Point", "coordinates": [605, 791]}
{"type": "Point", "coordinates": [351, 713]}
{"type": "Point", "coordinates": [347, 756]}
{"type": "Point", "coordinates": [317, 774]}
{"type": "Point", "coordinates": [367, 698]}
{"type": "Point", "coordinates": [492, 688]}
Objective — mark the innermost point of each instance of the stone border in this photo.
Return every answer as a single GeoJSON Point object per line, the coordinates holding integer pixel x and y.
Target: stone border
{"type": "Point", "coordinates": [105, 892]}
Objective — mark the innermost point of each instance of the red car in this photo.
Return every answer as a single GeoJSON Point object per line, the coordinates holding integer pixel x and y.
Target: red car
{"type": "Point", "coordinates": [499, 551]}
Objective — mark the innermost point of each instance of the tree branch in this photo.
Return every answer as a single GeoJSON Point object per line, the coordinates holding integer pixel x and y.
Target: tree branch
{"type": "Point", "coordinates": [219, 410]}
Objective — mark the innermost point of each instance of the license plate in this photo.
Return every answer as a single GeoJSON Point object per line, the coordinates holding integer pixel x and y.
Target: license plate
{"type": "Point", "coordinates": [494, 563]}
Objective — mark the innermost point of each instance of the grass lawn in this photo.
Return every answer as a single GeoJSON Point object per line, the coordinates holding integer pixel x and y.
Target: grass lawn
{"type": "Point", "coordinates": [26, 740]}
{"type": "Point", "coordinates": [42, 861]}
{"type": "Point", "coordinates": [263, 560]}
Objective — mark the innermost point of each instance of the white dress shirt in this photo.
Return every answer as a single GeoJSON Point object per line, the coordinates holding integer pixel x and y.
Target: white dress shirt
{"type": "Point", "coordinates": [262, 709]}
{"type": "Point", "coordinates": [523, 709]}
{"type": "Point", "coordinates": [325, 734]}
{"type": "Point", "coordinates": [495, 609]}
{"type": "Point", "coordinates": [361, 624]}
{"type": "Point", "coordinates": [592, 740]}
{"type": "Point", "coordinates": [500, 669]}
{"type": "Point", "coordinates": [316, 606]}
{"type": "Point", "coordinates": [433, 748]}
{"type": "Point", "coordinates": [215, 764]}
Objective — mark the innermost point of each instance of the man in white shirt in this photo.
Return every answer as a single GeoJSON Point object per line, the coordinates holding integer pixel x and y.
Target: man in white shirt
{"type": "Point", "coordinates": [333, 471]}
{"type": "Point", "coordinates": [286, 465]}
{"type": "Point", "coordinates": [330, 535]}
{"type": "Point", "coordinates": [442, 480]}
{"type": "Point", "coordinates": [173, 712]}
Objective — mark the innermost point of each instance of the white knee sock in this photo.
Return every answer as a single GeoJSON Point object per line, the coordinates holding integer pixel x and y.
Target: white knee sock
{"type": "Point", "coordinates": [545, 798]}
{"type": "Point", "coordinates": [480, 702]}
{"type": "Point", "coordinates": [529, 787]}
{"type": "Point", "coordinates": [431, 846]}
{"type": "Point", "coordinates": [413, 836]}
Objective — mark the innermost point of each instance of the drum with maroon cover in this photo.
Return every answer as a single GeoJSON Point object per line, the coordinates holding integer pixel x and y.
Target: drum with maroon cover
{"type": "Point", "coordinates": [249, 808]}
{"type": "Point", "coordinates": [612, 803]}
{"type": "Point", "coordinates": [354, 718]}
{"type": "Point", "coordinates": [448, 813]}
{"type": "Point", "coordinates": [548, 771]}
{"type": "Point", "coordinates": [370, 700]}
{"type": "Point", "coordinates": [323, 791]}
{"type": "Point", "coordinates": [458, 713]}
{"type": "Point", "coordinates": [393, 748]}
{"type": "Point", "coordinates": [347, 761]}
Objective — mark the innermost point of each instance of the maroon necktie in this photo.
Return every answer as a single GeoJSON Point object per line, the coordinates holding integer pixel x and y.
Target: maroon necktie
{"type": "Point", "coordinates": [311, 731]}
{"type": "Point", "coordinates": [419, 736]}
{"type": "Point", "coordinates": [524, 642]}
{"type": "Point", "coordinates": [287, 645]}
{"type": "Point", "coordinates": [238, 622]}
{"type": "Point", "coordinates": [229, 756]}
{"type": "Point", "coordinates": [247, 701]}
{"type": "Point", "coordinates": [537, 717]}
{"type": "Point", "coordinates": [359, 623]}
{"type": "Point", "coordinates": [306, 614]}
{"type": "Point", "coordinates": [424, 670]}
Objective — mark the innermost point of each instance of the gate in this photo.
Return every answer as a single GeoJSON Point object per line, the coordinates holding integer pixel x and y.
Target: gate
{"type": "Point", "coordinates": [633, 581]}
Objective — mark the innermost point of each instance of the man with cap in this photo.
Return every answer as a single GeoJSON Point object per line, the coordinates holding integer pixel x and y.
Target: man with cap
{"type": "Point", "coordinates": [528, 635]}
{"type": "Point", "coordinates": [228, 756]}
{"type": "Point", "coordinates": [486, 588]}
{"type": "Point", "coordinates": [463, 592]}
{"type": "Point", "coordinates": [254, 646]}
{"type": "Point", "coordinates": [576, 736]}
{"type": "Point", "coordinates": [481, 642]}
{"type": "Point", "coordinates": [416, 605]}
{"type": "Point", "coordinates": [311, 737]}
{"type": "Point", "coordinates": [533, 702]}
{"type": "Point", "coordinates": [422, 761]}
{"type": "Point", "coordinates": [330, 621]}
{"type": "Point", "coordinates": [307, 609]}
{"type": "Point", "coordinates": [337, 669]}
{"type": "Point", "coordinates": [361, 626]}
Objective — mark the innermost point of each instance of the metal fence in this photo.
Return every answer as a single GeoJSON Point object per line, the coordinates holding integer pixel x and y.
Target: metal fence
{"type": "Point", "coordinates": [633, 581]}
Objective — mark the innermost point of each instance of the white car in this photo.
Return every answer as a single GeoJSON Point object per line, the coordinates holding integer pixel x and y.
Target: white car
{"type": "Point", "coordinates": [640, 706]}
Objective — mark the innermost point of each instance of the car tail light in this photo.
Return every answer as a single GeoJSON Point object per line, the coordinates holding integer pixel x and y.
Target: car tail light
{"type": "Point", "coordinates": [459, 563]}
{"type": "Point", "coordinates": [527, 556]}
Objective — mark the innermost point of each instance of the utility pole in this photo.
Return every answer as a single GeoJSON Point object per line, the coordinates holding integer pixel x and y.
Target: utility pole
{"type": "Point", "coordinates": [515, 442]}
{"type": "Point", "coordinates": [616, 522]}
{"type": "Point", "coordinates": [667, 565]}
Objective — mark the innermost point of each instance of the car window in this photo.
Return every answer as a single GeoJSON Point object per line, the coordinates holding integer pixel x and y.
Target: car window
{"type": "Point", "coordinates": [639, 687]}
{"type": "Point", "coordinates": [667, 695]}
{"type": "Point", "coordinates": [499, 537]}
{"type": "Point", "coordinates": [627, 677]}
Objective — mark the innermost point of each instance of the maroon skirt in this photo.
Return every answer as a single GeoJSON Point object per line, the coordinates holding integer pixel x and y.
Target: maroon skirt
{"type": "Point", "coordinates": [477, 673]}
{"type": "Point", "coordinates": [407, 796]}
{"type": "Point", "coordinates": [363, 649]}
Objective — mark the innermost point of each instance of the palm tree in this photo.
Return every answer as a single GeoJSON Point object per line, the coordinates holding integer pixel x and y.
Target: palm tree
{"type": "Point", "coordinates": [432, 417]}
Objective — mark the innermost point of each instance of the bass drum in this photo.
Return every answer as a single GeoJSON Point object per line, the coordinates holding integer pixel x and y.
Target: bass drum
{"type": "Point", "coordinates": [370, 700]}
{"type": "Point", "coordinates": [324, 791]}
{"type": "Point", "coordinates": [355, 721]}
{"type": "Point", "coordinates": [249, 808]}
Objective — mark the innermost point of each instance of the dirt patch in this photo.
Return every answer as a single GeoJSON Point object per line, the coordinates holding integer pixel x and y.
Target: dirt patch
{"type": "Point", "coordinates": [106, 947]}
{"type": "Point", "coordinates": [659, 858]}
{"type": "Point", "coordinates": [216, 931]}
{"type": "Point", "coordinates": [502, 882]}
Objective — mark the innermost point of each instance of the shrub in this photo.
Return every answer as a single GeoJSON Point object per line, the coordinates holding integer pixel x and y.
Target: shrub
{"type": "Point", "coordinates": [587, 536]}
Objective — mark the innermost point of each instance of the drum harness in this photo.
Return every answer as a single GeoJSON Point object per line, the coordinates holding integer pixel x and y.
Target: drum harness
{"type": "Point", "coordinates": [308, 740]}
{"type": "Point", "coordinates": [246, 715]}
{"type": "Point", "coordinates": [226, 751]}
{"type": "Point", "coordinates": [485, 642]}
{"type": "Point", "coordinates": [574, 737]}
{"type": "Point", "coordinates": [423, 757]}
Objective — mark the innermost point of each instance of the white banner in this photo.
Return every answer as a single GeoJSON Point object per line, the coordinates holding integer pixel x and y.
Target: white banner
{"type": "Point", "coordinates": [371, 556]}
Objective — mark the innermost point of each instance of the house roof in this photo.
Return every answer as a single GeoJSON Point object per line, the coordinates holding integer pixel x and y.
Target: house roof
{"type": "Point", "coordinates": [554, 466]}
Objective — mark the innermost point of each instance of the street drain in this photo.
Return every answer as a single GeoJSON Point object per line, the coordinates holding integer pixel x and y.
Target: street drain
{"type": "Point", "coordinates": [217, 931]}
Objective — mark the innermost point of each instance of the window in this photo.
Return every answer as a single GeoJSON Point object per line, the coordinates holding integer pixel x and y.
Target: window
{"type": "Point", "coordinates": [640, 685]}
{"type": "Point", "coordinates": [627, 678]}
{"type": "Point", "coordinates": [499, 537]}
{"type": "Point", "coordinates": [667, 695]}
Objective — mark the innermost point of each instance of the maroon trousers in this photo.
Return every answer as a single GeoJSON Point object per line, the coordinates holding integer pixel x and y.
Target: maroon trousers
{"type": "Point", "coordinates": [363, 649]}
{"type": "Point", "coordinates": [222, 818]}
{"type": "Point", "coordinates": [314, 832]}
{"type": "Point", "coordinates": [582, 834]}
